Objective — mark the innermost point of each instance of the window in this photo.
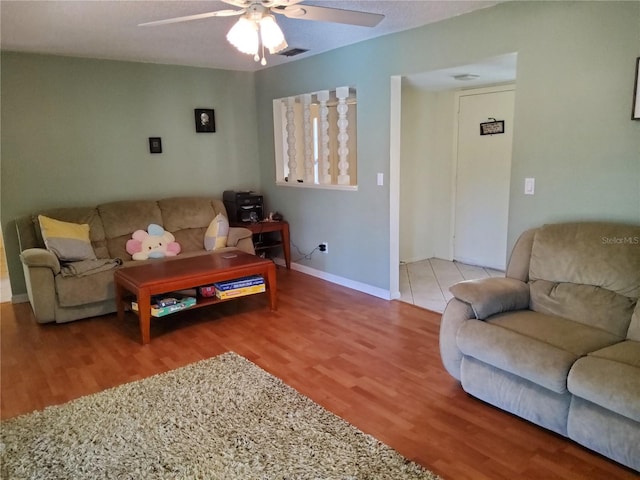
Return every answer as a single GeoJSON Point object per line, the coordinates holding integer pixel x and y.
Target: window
{"type": "Point", "coordinates": [315, 139]}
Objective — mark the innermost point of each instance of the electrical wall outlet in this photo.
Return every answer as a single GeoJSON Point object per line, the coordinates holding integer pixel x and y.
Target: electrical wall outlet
{"type": "Point", "coordinates": [324, 247]}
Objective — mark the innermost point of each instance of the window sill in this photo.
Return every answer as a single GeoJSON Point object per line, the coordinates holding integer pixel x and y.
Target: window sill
{"type": "Point", "coordinates": [347, 188]}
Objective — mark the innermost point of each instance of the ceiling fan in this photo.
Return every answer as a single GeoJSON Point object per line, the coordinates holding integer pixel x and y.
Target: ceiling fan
{"type": "Point", "coordinates": [257, 26]}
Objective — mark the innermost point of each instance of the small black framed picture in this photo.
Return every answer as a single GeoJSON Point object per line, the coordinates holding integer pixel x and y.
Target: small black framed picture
{"type": "Point", "coordinates": [155, 145]}
{"type": "Point", "coordinates": [205, 120]}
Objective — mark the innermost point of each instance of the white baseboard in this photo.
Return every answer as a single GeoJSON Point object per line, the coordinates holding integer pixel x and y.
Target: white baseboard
{"type": "Point", "coordinates": [20, 298]}
{"type": "Point", "coordinates": [345, 282]}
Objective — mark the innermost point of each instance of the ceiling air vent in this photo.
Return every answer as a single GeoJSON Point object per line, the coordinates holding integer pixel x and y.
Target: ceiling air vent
{"type": "Point", "coordinates": [292, 52]}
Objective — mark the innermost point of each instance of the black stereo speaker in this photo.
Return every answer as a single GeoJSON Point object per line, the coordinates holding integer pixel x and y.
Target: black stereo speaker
{"type": "Point", "coordinates": [243, 207]}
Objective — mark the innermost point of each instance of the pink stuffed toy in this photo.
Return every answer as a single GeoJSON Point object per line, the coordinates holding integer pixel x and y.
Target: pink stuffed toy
{"type": "Point", "coordinates": [157, 243]}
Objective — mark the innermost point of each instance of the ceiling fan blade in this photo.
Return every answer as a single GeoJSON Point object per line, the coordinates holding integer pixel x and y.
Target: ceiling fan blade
{"type": "Point", "coordinates": [188, 18]}
{"type": "Point", "coordinates": [278, 3]}
{"type": "Point", "coordinates": [335, 15]}
{"type": "Point", "coordinates": [238, 3]}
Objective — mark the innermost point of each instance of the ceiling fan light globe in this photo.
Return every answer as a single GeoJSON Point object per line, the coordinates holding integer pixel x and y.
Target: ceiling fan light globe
{"type": "Point", "coordinates": [244, 36]}
{"type": "Point", "coordinates": [271, 34]}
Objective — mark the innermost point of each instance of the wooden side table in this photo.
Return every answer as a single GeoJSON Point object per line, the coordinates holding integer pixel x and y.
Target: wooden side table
{"type": "Point", "coordinates": [266, 227]}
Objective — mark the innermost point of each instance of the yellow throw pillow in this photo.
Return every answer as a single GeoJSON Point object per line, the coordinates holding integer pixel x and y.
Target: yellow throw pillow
{"type": "Point", "coordinates": [216, 235]}
{"type": "Point", "coordinates": [69, 242]}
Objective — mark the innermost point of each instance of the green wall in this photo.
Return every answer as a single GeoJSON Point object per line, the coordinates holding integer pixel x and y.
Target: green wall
{"type": "Point", "coordinates": [573, 131]}
{"type": "Point", "coordinates": [75, 133]}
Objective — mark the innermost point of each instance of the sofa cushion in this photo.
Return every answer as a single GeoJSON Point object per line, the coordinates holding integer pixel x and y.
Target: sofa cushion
{"type": "Point", "coordinates": [81, 215]}
{"type": "Point", "coordinates": [68, 241]}
{"type": "Point", "coordinates": [188, 219]}
{"type": "Point", "coordinates": [610, 377]}
{"type": "Point", "coordinates": [121, 219]}
{"type": "Point", "coordinates": [603, 256]}
{"type": "Point", "coordinates": [588, 304]}
{"type": "Point", "coordinates": [541, 348]}
{"type": "Point", "coordinates": [186, 212]}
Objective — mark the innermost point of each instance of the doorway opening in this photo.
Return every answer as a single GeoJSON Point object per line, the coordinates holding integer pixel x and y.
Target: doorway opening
{"type": "Point", "coordinates": [423, 159]}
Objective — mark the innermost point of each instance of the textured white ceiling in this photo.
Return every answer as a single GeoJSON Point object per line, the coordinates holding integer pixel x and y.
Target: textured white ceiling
{"type": "Point", "coordinates": [488, 71]}
{"type": "Point", "coordinates": [108, 29]}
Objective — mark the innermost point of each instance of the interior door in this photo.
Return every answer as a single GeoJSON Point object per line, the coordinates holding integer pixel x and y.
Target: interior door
{"type": "Point", "coordinates": [482, 178]}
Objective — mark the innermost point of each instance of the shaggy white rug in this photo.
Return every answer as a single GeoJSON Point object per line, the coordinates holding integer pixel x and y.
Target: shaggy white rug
{"type": "Point", "coordinates": [222, 418]}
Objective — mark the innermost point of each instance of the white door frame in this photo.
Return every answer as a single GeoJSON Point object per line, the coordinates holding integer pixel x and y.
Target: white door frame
{"type": "Point", "coordinates": [395, 121]}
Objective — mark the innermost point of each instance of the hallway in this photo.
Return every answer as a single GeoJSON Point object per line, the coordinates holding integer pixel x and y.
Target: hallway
{"type": "Point", "coordinates": [426, 283]}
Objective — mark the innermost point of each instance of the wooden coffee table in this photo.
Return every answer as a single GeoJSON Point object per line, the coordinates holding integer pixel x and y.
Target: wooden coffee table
{"type": "Point", "coordinates": [169, 275]}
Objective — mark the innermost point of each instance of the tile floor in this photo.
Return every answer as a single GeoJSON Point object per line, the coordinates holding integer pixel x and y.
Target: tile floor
{"type": "Point", "coordinates": [426, 283]}
{"type": "Point", "coordinates": [5, 286]}
{"type": "Point", "coordinates": [5, 290]}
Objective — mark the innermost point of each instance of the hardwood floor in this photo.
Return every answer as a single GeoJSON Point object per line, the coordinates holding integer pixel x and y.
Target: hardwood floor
{"type": "Point", "coordinates": [372, 362]}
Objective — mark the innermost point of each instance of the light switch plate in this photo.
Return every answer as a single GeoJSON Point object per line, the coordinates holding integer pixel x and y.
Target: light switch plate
{"type": "Point", "coordinates": [380, 179]}
{"type": "Point", "coordinates": [529, 186]}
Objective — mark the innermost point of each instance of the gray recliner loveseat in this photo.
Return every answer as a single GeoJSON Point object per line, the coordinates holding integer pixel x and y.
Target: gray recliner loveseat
{"type": "Point", "coordinates": [557, 341]}
{"type": "Point", "coordinates": [60, 298]}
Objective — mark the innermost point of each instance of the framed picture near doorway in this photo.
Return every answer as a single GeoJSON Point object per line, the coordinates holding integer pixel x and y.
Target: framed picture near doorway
{"type": "Point", "coordinates": [636, 93]}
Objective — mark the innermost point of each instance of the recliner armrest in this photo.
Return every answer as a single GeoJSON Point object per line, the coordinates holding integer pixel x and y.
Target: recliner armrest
{"type": "Point", "coordinates": [488, 296]}
{"type": "Point", "coordinates": [40, 257]}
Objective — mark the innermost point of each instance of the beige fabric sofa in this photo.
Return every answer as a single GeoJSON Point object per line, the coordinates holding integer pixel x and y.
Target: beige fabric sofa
{"type": "Point", "coordinates": [58, 298]}
{"type": "Point", "coordinates": [557, 341]}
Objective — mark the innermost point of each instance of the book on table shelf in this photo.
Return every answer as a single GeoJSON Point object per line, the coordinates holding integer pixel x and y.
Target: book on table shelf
{"type": "Point", "coordinates": [166, 304]}
{"type": "Point", "coordinates": [239, 282]}
{"type": "Point", "coordinates": [235, 287]}
{"type": "Point", "coordinates": [239, 292]}
{"type": "Point", "coordinates": [172, 302]}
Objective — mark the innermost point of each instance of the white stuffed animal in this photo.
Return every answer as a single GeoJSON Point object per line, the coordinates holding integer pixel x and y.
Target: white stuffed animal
{"type": "Point", "coordinates": [155, 243]}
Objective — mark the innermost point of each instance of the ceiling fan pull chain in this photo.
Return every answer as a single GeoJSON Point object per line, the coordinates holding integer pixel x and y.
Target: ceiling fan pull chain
{"type": "Point", "coordinates": [264, 60]}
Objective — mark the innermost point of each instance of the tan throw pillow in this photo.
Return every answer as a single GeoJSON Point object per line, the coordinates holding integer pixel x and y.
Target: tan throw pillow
{"type": "Point", "coordinates": [216, 235]}
{"type": "Point", "coordinates": [69, 242]}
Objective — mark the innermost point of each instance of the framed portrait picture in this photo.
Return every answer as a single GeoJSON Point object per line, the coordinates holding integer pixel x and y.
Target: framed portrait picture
{"type": "Point", "coordinates": [155, 145]}
{"type": "Point", "coordinates": [635, 115]}
{"type": "Point", "coordinates": [205, 120]}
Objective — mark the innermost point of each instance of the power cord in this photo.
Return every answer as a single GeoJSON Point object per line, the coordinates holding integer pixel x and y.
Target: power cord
{"type": "Point", "coordinates": [305, 256]}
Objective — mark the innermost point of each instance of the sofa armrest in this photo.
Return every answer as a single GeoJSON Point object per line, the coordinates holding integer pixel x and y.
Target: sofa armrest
{"type": "Point", "coordinates": [456, 313]}
{"type": "Point", "coordinates": [39, 257]}
{"type": "Point", "coordinates": [242, 239]}
{"type": "Point", "coordinates": [236, 234]}
{"type": "Point", "coordinates": [488, 296]}
{"type": "Point", "coordinates": [40, 269]}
